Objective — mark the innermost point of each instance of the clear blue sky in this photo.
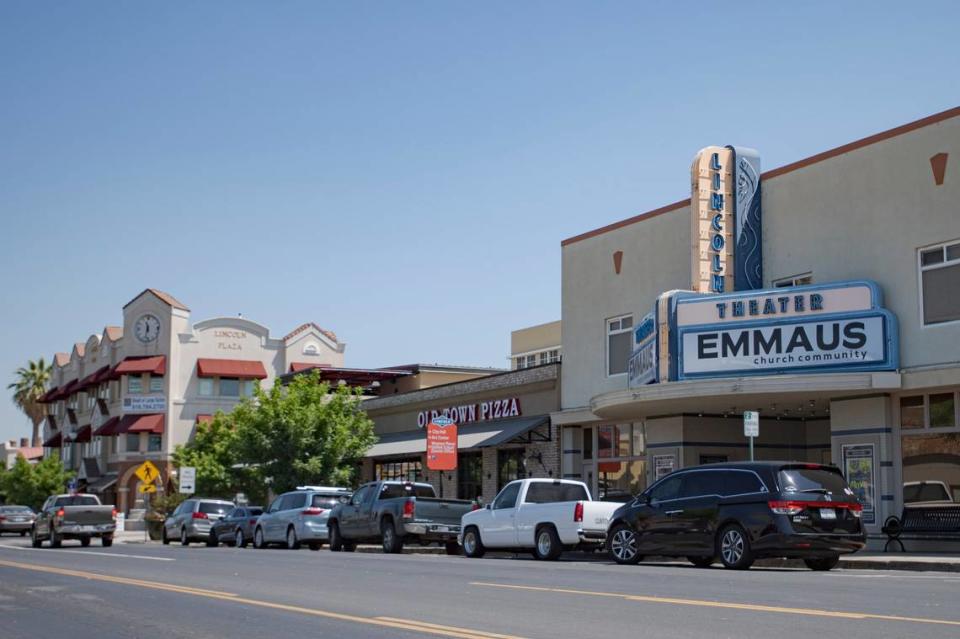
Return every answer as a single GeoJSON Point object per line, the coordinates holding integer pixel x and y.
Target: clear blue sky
{"type": "Point", "coordinates": [399, 172]}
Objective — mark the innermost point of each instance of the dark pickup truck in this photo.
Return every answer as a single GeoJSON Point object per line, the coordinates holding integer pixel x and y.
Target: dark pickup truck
{"type": "Point", "coordinates": [74, 517]}
{"type": "Point", "coordinates": [395, 512]}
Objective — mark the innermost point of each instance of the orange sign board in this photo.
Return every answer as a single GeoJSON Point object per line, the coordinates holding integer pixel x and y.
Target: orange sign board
{"type": "Point", "coordinates": [442, 444]}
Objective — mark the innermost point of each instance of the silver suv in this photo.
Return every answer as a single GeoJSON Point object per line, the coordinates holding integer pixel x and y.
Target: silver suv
{"type": "Point", "coordinates": [192, 520]}
{"type": "Point", "coordinates": [299, 516]}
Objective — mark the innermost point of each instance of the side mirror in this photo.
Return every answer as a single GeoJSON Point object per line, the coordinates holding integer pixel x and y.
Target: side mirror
{"type": "Point", "coordinates": [489, 506]}
{"type": "Point", "coordinates": [344, 499]}
{"type": "Point", "coordinates": [643, 498]}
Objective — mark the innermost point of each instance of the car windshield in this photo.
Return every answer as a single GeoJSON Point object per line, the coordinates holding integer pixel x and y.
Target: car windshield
{"type": "Point", "coordinates": [15, 510]}
{"type": "Point", "coordinates": [391, 491]}
{"type": "Point", "coordinates": [542, 492]}
{"type": "Point", "coordinates": [924, 491]}
{"type": "Point", "coordinates": [213, 508]}
{"type": "Point", "coordinates": [77, 500]}
{"type": "Point", "coordinates": [326, 501]}
{"type": "Point", "coordinates": [814, 481]}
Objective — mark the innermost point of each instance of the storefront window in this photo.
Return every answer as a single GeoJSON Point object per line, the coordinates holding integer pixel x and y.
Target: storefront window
{"type": "Point", "coordinates": [621, 481]}
{"type": "Point", "coordinates": [942, 411]}
{"type": "Point", "coordinates": [470, 476]}
{"type": "Point", "coordinates": [938, 410]}
{"type": "Point", "coordinates": [587, 443]}
{"type": "Point", "coordinates": [509, 466]}
{"type": "Point", "coordinates": [911, 412]}
{"type": "Point", "coordinates": [615, 440]}
{"type": "Point", "coordinates": [133, 442]}
{"type": "Point", "coordinates": [154, 443]}
{"type": "Point", "coordinates": [406, 469]}
{"type": "Point", "coordinates": [931, 468]}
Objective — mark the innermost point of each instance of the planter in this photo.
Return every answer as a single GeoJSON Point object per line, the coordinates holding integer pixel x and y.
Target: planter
{"type": "Point", "coordinates": [155, 529]}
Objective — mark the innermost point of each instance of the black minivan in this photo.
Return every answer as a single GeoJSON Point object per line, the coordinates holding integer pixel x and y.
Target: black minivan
{"type": "Point", "coordinates": [739, 512]}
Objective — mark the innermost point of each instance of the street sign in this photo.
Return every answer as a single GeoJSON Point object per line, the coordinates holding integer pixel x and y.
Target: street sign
{"type": "Point", "coordinates": [442, 444]}
{"type": "Point", "coordinates": [188, 480]}
{"type": "Point", "coordinates": [751, 423]}
{"type": "Point", "coordinates": [147, 472]}
{"type": "Point", "coordinates": [148, 488]}
{"type": "Point", "coordinates": [72, 486]}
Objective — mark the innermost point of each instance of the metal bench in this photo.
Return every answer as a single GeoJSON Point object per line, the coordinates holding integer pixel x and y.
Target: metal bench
{"type": "Point", "coordinates": [922, 523]}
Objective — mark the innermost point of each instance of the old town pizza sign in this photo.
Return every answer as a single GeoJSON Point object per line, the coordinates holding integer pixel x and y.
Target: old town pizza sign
{"type": "Point", "coordinates": [476, 412]}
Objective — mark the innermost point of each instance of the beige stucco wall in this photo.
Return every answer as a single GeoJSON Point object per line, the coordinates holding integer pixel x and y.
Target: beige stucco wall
{"type": "Point", "coordinates": [536, 338]}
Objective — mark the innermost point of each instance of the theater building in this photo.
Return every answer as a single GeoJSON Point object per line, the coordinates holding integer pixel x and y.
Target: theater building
{"type": "Point", "coordinates": [135, 391]}
{"type": "Point", "coordinates": [824, 294]}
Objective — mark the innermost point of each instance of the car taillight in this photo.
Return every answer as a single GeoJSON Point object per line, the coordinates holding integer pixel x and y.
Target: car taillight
{"type": "Point", "coordinates": [475, 506]}
{"type": "Point", "coordinates": [313, 511]}
{"type": "Point", "coordinates": [856, 509]}
{"type": "Point", "coordinates": [578, 511]}
{"type": "Point", "coordinates": [787, 507]}
{"type": "Point", "coordinates": [114, 514]}
{"type": "Point", "coordinates": [253, 521]}
{"type": "Point", "coordinates": [408, 509]}
{"type": "Point", "coordinates": [60, 513]}
{"type": "Point", "coordinates": [200, 516]}
{"type": "Point", "coordinates": [2, 518]}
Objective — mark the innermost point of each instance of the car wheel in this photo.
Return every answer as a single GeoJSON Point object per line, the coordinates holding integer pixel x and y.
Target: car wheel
{"type": "Point", "coordinates": [55, 540]}
{"type": "Point", "coordinates": [34, 540]}
{"type": "Point", "coordinates": [452, 548]}
{"type": "Point", "coordinates": [392, 543]}
{"type": "Point", "coordinates": [548, 546]}
{"type": "Point", "coordinates": [239, 541]}
{"type": "Point", "coordinates": [315, 545]}
{"type": "Point", "coordinates": [163, 536]}
{"type": "Point", "coordinates": [472, 546]}
{"type": "Point", "coordinates": [84, 541]}
{"type": "Point", "coordinates": [734, 548]}
{"type": "Point", "coordinates": [701, 562]}
{"type": "Point", "coordinates": [822, 563]}
{"type": "Point", "coordinates": [212, 539]}
{"type": "Point", "coordinates": [336, 541]}
{"type": "Point", "coordinates": [623, 545]}
{"type": "Point", "coordinates": [258, 541]}
{"type": "Point", "coordinates": [292, 542]}
{"type": "Point", "coordinates": [184, 540]}
{"type": "Point", "coordinates": [106, 541]}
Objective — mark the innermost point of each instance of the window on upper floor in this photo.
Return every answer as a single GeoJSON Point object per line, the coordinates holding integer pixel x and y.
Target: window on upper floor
{"type": "Point", "coordinates": [154, 443]}
{"type": "Point", "coordinates": [936, 410]}
{"type": "Point", "coordinates": [133, 442]}
{"type": "Point", "coordinates": [619, 344]}
{"type": "Point", "coordinates": [794, 280]}
{"type": "Point", "coordinates": [940, 282]}
{"type": "Point", "coordinates": [134, 384]}
{"type": "Point", "coordinates": [229, 387]}
{"type": "Point", "coordinates": [205, 387]}
{"type": "Point", "coordinates": [247, 386]}
{"type": "Point", "coordinates": [156, 383]}
{"type": "Point", "coordinates": [553, 356]}
{"type": "Point", "coordinates": [531, 361]}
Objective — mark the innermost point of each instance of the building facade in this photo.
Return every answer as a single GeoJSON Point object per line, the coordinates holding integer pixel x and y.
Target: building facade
{"type": "Point", "coordinates": [536, 345]}
{"type": "Point", "coordinates": [136, 391]}
{"type": "Point", "coordinates": [824, 294]}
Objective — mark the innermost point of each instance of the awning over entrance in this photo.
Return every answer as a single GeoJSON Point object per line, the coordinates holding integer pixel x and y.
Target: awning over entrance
{"type": "Point", "coordinates": [102, 483]}
{"type": "Point", "coordinates": [54, 442]}
{"type": "Point", "coordinates": [152, 423]}
{"type": "Point", "coordinates": [239, 368]}
{"type": "Point", "coordinates": [154, 364]}
{"type": "Point", "coordinates": [481, 435]}
{"type": "Point", "coordinates": [108, 428]}
{"type": "Point", "coordinates": [82, 436]}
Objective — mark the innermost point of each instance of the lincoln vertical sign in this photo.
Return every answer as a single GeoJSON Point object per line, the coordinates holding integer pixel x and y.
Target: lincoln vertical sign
{"type": "Point", "coordinates": [725, 207]}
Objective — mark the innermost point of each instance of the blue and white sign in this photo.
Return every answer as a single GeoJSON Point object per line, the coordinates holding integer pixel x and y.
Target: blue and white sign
{"type": "Point", "coordinates": [748, 256]}
{"type": "Point", "coordinates": [642, 367]}
{"type": "Point", "coordinates": [803, 329]}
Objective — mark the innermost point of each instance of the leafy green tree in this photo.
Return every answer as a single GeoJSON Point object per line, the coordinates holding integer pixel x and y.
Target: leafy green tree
{"type": "Point", "coordinates": [303, 433]}
{"type": "Point", "coordinates": [30, 485]}
{"type": "Point", "coordinates": [31, 382]}
{"type": "Point", "coordinates": [214, 452]}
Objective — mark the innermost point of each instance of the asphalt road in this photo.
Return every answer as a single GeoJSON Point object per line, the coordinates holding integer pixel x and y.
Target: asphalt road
{"type": "Point", "coordinates": [154, 591]}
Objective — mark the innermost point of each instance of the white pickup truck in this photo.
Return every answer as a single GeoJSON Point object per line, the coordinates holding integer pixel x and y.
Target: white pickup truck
{"type": "Point", "coordinates": [546, 516]}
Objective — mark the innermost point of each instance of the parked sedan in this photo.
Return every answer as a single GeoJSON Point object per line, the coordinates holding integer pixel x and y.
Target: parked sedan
{"type": "Point", "coordinates": [16, 519]}
{"type": "Point", "coordinates": [741, 512]}
{"type": "Point", "coordinates": [236, 527]}
{"type": "Point", "coordinates": [192, 520]}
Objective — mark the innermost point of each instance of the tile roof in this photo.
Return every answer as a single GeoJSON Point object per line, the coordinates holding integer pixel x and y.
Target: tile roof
{"type": "Point", "coordinates": [81, 348]}
{"type": "Point", "coordinates": [113, 333]}
{"type": "Point", "coordinates": [164, 297]}
{"type": "Point", "coordinates": [309, 325]}
{"type": "Point", "coordinates": [61, 359]}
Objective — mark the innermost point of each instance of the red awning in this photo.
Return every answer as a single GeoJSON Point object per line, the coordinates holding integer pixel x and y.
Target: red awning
{"type": "Point", "coordinates": [296, 367]}
{"type": "Point", "coordinates": [48, 396]}
{"type": "Point", "coordinates": [152, 423]}
{"type": "Point", "coordinates": [108, 428]}
{"type": "Point", "coordinates": [153, 364]}
{"type": "Point", "coordinates": [54, 442]}
{"type": "Point", "coordinates": [204, 419]}
{"type": "Point", "coordinates": [69, 389]}
{"type": "Point", "coordinates": [82, 436]}
{"type": "Point", "coordinates": [243, 369]}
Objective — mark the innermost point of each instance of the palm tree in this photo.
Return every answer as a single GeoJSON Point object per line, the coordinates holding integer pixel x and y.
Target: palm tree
{"type": "Point", "coordinates": [30, 385]}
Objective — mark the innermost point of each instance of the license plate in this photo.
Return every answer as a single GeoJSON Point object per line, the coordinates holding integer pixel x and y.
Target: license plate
{"type": "Point", "coordinates": [17, 519]}
{"type": "Point", "coordinates": [828, 513]}
{"type": "Point", "coordinates": [442, 528]}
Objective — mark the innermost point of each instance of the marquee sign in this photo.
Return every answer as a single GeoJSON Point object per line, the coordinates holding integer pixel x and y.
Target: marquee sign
{"type": "Point", "coordinates": [643, 364]}
{"type": "Point", "coordinates": [801, 329]}
{"type": "Point", "coordinates": [476, 412]}
{"type": "Point", "coordinates": [725, 213]}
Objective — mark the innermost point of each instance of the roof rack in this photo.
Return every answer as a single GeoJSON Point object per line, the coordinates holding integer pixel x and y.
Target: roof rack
{"type": "Point", "coordinates": [331, 489]}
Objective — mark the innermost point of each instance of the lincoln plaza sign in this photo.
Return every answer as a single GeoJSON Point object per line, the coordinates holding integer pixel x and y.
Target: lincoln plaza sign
{"type": "Point", "coordinates": [476, 412]}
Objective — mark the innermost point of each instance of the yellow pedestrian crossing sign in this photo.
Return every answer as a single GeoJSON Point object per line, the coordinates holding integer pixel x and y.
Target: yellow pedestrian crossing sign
{"type": "Point", "coordinates": [147, 473]}
{"type": "Point", "coordinates": [148, 488]}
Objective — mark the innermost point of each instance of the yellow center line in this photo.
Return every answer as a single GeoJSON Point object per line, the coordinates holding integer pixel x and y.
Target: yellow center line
{"type": "Point", "coordinates": [724, 604]}
{"type": "Point", "coordinates": [385, 622]}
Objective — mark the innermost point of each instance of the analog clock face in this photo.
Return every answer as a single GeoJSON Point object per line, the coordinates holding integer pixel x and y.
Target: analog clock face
{"type": "Point", "coordinates": [147, 328]}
